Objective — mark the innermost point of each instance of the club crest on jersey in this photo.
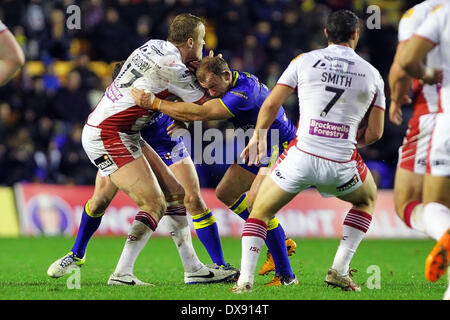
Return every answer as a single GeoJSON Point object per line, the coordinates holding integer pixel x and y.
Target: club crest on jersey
{"type": "Point", "coordinates": [353, 181]}
{"type": "Point", "coordinates": [103, 162]}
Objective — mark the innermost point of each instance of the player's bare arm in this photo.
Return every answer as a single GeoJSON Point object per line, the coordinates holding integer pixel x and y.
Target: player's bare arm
{"type": "Point", "coordinates": [375, 128]}
{"type": "Point", "coordinates": [399, 83]}
{"type": "Point", "coordinates": [183, 111]}
{"type": "Point", "coordinates": [11, 56]}
{"type": "Point", "coordinates": [256, 148]}
{"type": "Point", "coordinates": [412, 60]}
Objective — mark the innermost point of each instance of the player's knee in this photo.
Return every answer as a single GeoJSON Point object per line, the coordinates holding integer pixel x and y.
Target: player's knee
{"type": "Point", "coordinates": [250, 200]}
{"type": "Point", "coordinates": [193, 202]}
{"type": "Point", "coordinates": [155, 204]}
{"type": "Point", "coordinates": [220, 194]}
{"type": "Point", "coordinates": [367, 201]}
{"type": "Point", "coordinates": [224, 195]}
{"type": "Point", "coordinates": [98, 205]}
{"type": "Point", "coordinates": [399, 206]}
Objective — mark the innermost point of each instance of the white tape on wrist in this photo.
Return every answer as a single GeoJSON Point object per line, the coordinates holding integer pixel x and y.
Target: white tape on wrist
{"type": "Point", "coordinates": [429, 73]}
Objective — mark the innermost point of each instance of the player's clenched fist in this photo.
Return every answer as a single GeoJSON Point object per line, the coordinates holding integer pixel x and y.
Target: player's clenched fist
{"type": "Point", "coordinates": [145, 99]}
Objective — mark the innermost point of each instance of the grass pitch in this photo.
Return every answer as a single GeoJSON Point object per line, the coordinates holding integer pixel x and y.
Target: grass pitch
{"type": "Point", "coordinates": [387, 270]}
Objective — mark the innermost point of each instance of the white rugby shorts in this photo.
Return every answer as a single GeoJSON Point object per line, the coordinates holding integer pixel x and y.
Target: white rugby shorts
{"type": "Point", "coordinates": [438, 162]}
{"type": "Point", "coordinates": [413, 152]}
{"type": "Point", "coordinates": [297, 170]}
{"type": "Point", "coordinates": [109, 150]}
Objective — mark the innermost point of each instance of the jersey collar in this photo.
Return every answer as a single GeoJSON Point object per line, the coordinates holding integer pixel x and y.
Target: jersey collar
{"type": "Point", "coordinates": [235, 76]}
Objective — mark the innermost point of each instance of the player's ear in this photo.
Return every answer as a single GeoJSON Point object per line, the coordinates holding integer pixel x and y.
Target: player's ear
{"type": "Point", "coordinates": [227, 75]}
{"type": "Point", "coordinates": [190, 42]}
{"type": "Point", "coordinates": [325, 32]}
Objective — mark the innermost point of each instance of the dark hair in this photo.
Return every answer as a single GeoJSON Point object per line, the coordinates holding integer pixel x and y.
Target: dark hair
{"type": "Point", "coordinates": [117, 68]}
{"type": "Point", "coordinates": [215, 65]}
{"type": "Point", "coordinates": [183, 27]}
{"type": "Point", "coordinates": [341, 25]}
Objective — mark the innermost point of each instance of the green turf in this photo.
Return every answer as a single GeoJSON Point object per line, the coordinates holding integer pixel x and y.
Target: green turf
{"type": "Point", "coordinates": [24, 262]}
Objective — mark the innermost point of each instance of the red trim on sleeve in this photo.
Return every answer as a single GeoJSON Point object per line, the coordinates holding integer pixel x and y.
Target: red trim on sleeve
{"type": "Point", "coordinates": [425, 38]}
{"type": "Point", "coordinates": [381, 108]}
{"type": "Point", "coordinates": [286, 85]}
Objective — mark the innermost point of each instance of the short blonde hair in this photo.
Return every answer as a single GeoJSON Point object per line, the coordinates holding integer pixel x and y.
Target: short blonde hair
{"type": "Point", "coordinates": [183, 27]}
{"type": "Point", "coordinates": [215, 65]}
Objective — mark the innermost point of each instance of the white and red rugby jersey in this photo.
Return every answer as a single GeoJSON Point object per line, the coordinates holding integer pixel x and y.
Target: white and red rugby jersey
{"type": "Point", "coordinates": [425, 97]}
{"type": "Point", "coordinates": [155, 66]}
{"type": "Point", "coordinates": [335, 89]}
{"type": "Point", "coordinates": [436, 28]}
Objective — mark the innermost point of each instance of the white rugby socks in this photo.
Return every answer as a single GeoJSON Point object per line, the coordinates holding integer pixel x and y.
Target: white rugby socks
{"type": "Point", "coordinates": [253, 237]}
{"type": "Point", "coordinates": [356, 224]}
{"type": "Point", "coordinates": [181, 234]}
{"type": "Point", "coordinates": [141, 230]}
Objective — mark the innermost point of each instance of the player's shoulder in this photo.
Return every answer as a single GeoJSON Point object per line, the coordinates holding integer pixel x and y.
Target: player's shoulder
{"type": "Point", "coordinates": [420, 10]}
{"type": "Point", "coordinates": [242, 83]}
{"type": "Point", "coordinates": [374, 71]}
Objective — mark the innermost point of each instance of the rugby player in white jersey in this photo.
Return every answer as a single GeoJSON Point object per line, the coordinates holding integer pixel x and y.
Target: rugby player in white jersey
{"type": "Point", "coordinates": [435, 32]}
{"type": "Point", "coordinates": [336, 89]}
{"type": "Point", "coordinates": [11, 55]}
{"type": "Point", "coordinates": [411, 168]}
{"type": "Point", "coordinates": [112, 140]}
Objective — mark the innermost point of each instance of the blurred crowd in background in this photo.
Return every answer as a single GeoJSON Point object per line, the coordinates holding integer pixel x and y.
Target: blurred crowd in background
{"type": "Point", "coordinates": [42, 111]}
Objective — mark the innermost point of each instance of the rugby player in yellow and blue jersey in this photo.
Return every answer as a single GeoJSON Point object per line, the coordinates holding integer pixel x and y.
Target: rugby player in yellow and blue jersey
{"type": "Point", "coordinates": [237, 97]}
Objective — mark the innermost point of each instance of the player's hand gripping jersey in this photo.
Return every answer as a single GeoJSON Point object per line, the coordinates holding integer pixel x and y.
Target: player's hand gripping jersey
{"type": "Point", "coordinates": [156, 66]}
{"type": "Point", "coordinates": [111, 136]}
{"type": "Point", "coordinates": [335, 89]}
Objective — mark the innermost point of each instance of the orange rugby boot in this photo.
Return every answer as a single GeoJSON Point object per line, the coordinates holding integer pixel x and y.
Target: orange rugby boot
{"type": "Point", "coordinates": [269, 264]}
{"type": "Point", "coordinates": [281, 280]}
{"type": "Point", "coordinates": [438, 259]}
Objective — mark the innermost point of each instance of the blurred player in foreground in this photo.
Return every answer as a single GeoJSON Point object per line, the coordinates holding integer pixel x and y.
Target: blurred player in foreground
{"type": "Point", "coordinates": [112, 140]}
{"type": "Point", "coordinates": [11, 55]}
{"type": "Point", "coordinates": [336, 89]}
{"type": "Point", "coordinates": [237, 98]}
{"type": "Point", "coordinates": [434, 32]}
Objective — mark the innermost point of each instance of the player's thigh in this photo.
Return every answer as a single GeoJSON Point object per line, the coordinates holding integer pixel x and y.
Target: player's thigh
{"type": "Point", "coordinates": [364, 197]}
{"type": "Point", "coordinates": [269, 199]}
{"type": "Point", "coordinates": [166, 179]}
{"type": "Point", "coordinates": [186, 174]}
{"type": "Point", "coordinates": [138, 181]}
{"type": "Point", "coordinates": [436, 189]}
{"type": "Point", "coordinates": [104, 192]}
{"type": "Point", "coordinates": [234, 183]}
{"type": "Point", "coordinates": [407, 187]}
